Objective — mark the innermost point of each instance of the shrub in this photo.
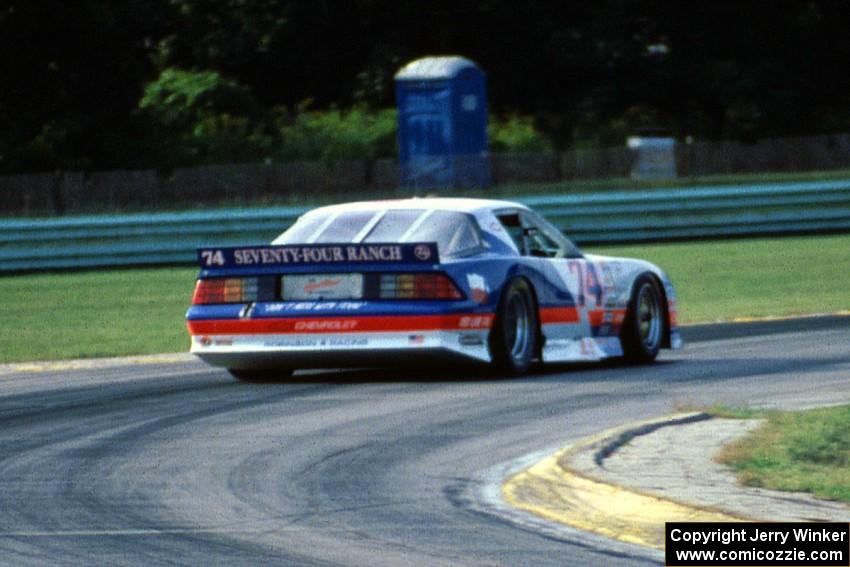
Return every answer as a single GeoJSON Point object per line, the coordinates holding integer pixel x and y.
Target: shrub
{"type": "Point", "coordinates": [337, 135]}
{"type": "Point", "coordinates": [515, 133]}
{"type": "Point", "coordinates": [203, 117]}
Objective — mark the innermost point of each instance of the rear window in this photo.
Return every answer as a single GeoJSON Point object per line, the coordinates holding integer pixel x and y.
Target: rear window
{"type": "Point", "coordinates": [392, 226]}
{"type": "Point", "coordinates": [344, 228]}
{"type": "Point", "coordinates": [455, 233]}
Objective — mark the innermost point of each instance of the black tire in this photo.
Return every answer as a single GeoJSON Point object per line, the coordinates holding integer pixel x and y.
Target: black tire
{"type": "Point", "coordinates": [513, 338]}
{"type": "Point", "coordinates": [643, 328]}
{"type": "Point", "coordinates": [260, 375]}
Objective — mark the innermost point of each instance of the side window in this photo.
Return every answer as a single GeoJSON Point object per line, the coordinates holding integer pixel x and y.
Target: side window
{"type": "Point", "coordinates": [529, 236]}
{"type": "Point", "coordinates": [533, 236]}
{"type": "Point", "coordinates": [455, 233]}
{"type": "Point", "coordinates": [513, 226]}
{"type": "Point", "coordinates": [550, 241]}
{"type": "Point", "coordinates": [538, 242]}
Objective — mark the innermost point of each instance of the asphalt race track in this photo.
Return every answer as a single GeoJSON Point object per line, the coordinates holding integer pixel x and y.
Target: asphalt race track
{"type": "Point", "coordinates": [178, 464]}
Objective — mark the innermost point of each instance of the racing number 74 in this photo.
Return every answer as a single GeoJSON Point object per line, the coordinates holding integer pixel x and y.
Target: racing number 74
{"type": "Point", "coordinates": [588, 282]}
{"type": "Point", "coordinates": [212, 257]}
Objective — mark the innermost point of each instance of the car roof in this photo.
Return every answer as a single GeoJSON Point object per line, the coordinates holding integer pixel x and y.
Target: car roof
{"type": "Point", "coordinates": [458, 204]}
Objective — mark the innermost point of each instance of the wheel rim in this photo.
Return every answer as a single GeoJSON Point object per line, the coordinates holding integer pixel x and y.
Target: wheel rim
{"type": "Point", "coordinates": [518, 327]}
{"type": "Point", "coordinates": [649, 322]}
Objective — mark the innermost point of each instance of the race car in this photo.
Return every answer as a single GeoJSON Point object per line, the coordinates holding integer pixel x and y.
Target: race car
{"type": "Point", "coordinates": [383, 283]}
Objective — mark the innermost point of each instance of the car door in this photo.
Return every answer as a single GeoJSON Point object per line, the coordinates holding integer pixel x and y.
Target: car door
{"type": "Point", "coordinates": [578, 312]}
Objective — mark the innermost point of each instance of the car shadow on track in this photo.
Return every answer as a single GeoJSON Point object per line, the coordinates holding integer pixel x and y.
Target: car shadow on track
{"type": "Point", "coordinates": [444, 373]}
{"type": "Point", "coordinates": [676, 371]}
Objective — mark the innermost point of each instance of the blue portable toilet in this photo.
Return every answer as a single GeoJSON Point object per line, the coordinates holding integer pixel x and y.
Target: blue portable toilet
{"type": "Point", "coordinates": [442, 123]}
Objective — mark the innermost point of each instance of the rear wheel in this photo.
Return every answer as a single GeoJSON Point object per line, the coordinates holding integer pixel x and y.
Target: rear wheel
{"type": "Point", "coordinates": [513, 337]}
{"type": "Point", "coordinates": [643, 329]}
{"type": "Point", "coordinates": [260, 375]}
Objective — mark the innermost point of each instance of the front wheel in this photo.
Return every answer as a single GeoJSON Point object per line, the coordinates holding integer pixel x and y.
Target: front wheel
{"type": "Point", "coordinates": [643, 329]}
{"type": "Point", "coordinates": [513, 337]}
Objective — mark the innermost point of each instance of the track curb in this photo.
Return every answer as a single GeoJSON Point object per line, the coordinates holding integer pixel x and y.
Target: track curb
{"type": "Point", "coordinates": [94, 363]}
{"type": "Point", "coordinates": [770, 318]}
{"type": "Point", "coordinates": [554, 490]}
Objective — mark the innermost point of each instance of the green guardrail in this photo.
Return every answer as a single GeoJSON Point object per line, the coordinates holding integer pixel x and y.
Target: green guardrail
{"type": "Point", "coordinates": [610, 217]}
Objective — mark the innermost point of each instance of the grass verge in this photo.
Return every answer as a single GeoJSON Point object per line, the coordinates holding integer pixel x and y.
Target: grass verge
{"type": "Point", "coordinates": [763, 277]}
{"type": "Point", "coordinates": [625, 184]}
{"type": "Point", "coordinates": [97, 313]}
{"type": "Point", "coordinates": [140, 311]}
{"type": "Point", "coordinates": [806, 451]}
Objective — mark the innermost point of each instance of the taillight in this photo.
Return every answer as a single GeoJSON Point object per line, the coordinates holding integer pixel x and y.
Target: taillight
{"type": "Point", "coordinates": [233, 290]}
{"type": "Point", "coordinates": [418, 286]}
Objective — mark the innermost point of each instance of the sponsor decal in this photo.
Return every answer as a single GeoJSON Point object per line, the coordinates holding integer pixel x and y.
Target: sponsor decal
{"type": "Point", "coordinates": [599, 317]}
{"type": "Point", "coordinates": [614, 279]}
{"type": "Point", "coordinates": [315, 306]}
{"type": "Point", "coordinates": [303, 255]}
{"type": "Point", "coordinates": [348, 342]}
{"type": "Point", "coordinates": [326, 325]}
{"type": "Point", "coordinates": [316, 254]}
{"type": "Point", "coordinates": [205, 341]}
{"type": "Point", "coordinates": [475, 322]}
{"type": "Point", "coordinates": [415, 339]}
{"type": "Point", "coordinates": [422, 252]}
{"type": "Point", "coordinates": [375, 253]}
{"type": "Point", "coordinates": [323, 287]}
{"type": "Point", "coordinates": [306, 342]}
{"type": "Point", "coordinates": [292, 343]}
{"type": "Point", "coordinates": [470, 340]}
{"type": "Point", "coordinates": [223, 342]}
{"type": "Point", "coordinates": [479, 288]}
{"type": "Point", "coordinates": [321, 284]}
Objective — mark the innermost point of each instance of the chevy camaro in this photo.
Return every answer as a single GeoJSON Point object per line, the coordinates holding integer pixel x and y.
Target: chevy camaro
{"type": "Point", "coordinates": [390, 282]}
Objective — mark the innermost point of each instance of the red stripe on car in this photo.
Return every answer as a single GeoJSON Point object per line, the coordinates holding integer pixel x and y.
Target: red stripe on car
{"type": "Point", "coordinates": [596, 317]}
{"type": "Point", "coordinates": [340, 324]}
{"type": "Point", "coordinates": [550, 315]}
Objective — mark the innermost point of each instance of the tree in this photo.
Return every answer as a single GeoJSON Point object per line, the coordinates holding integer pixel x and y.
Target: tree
{"type": "Point", "coordinates": [206, 118]}
{"type": "Point", "coordinates": [72, 74]}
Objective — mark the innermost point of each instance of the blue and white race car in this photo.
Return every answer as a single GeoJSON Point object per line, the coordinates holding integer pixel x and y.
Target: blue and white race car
{"type": "Point", "coordinates": [387, 282]}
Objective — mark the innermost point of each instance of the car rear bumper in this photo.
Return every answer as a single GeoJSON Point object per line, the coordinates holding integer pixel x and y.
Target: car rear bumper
{"type": "Point", "coordinates": [341, 349]}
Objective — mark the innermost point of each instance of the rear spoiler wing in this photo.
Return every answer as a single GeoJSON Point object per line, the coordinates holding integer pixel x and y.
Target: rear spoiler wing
{"type": "Point", "coordinates": [318, 254]}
